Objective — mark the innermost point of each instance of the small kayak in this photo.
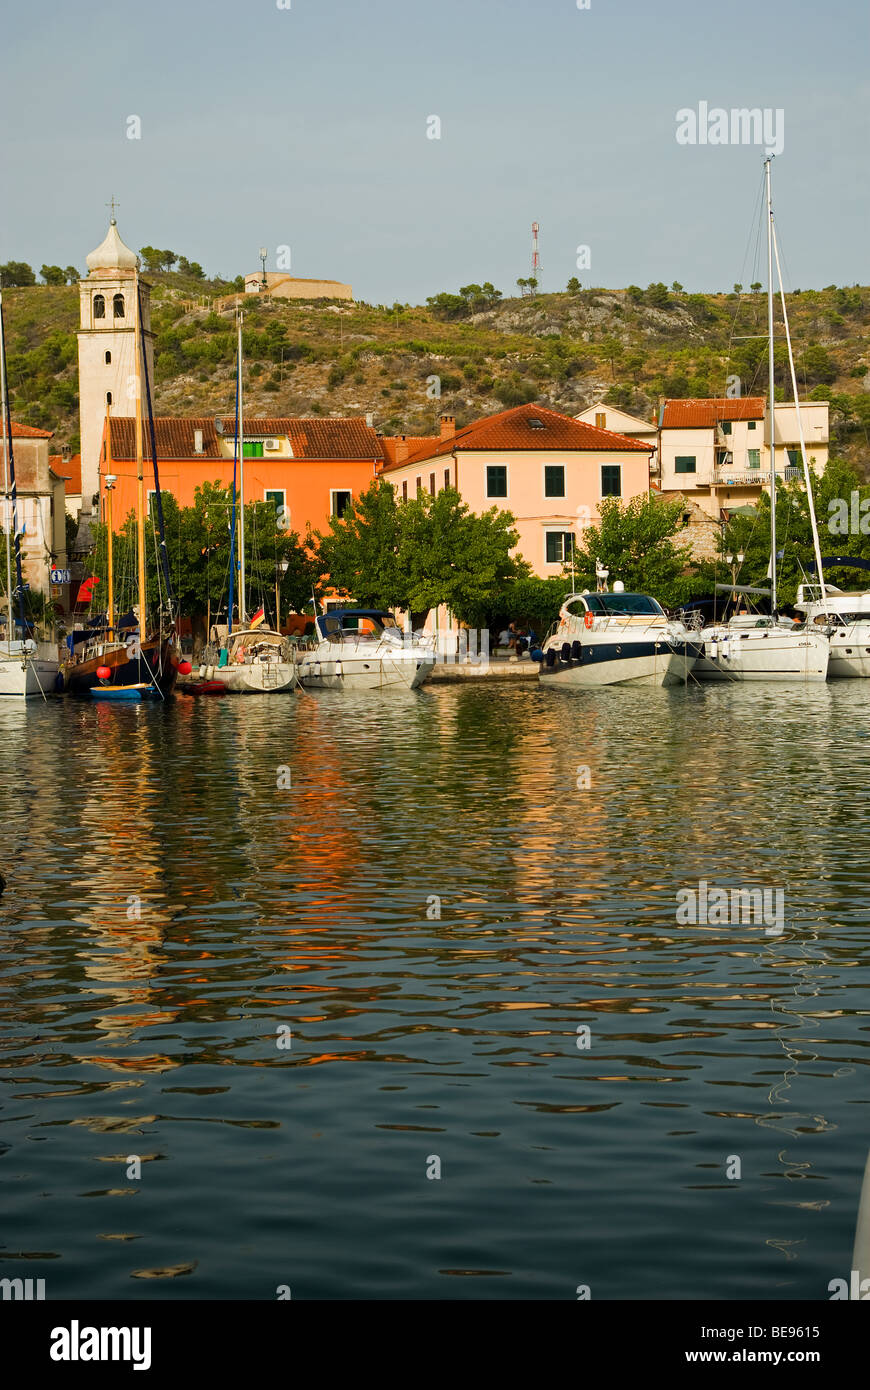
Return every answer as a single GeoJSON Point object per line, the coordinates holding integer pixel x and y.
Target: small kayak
{"type": "Point", "coordinates": [124, 692]}
{"type": "Point", "coordinates": [202, 688]}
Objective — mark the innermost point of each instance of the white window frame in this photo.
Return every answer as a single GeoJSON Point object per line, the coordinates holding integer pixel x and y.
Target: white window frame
{"type": "Point", "coordinates": [551, 463]}
{"type": "Point", "coordinates": [283, 494]}
{"type": "Point", "coordinates": [507, 482]}
{"type": "Point", "coordinates": [562, 531]}
{"type": "Point", "coordinates": [333, 493]}
{"type": "Point", "coordinates": [601, 493]}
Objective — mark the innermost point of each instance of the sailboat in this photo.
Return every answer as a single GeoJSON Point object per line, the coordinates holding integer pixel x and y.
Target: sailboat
{"type": "Point", "coordinates": [751, 647]}
{"type": "Point", "coordinates": [126, 662]}
{"type": "Point", "coordinates": [256, 655]}
{"type": "Point", "coordinates": [27, 667]}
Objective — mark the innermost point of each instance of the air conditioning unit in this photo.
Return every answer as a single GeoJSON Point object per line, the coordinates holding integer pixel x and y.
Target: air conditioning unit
{"type": "Point", "coordinates": [272, 444]}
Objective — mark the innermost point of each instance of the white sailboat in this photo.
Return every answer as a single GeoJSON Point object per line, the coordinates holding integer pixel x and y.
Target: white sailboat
{"type": "Point", "coordinates": [258, 659]}
{"type": "Point", "coordinates": [27, 667]}
{"type": "Point", "coordinates": [757, 648]}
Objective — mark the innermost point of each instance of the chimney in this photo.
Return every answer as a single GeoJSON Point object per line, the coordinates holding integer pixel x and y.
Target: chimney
{"type": "Point", "coordinates": [370, 419]}
{"type": "Point", "coordinates": [197, 441]}
{"type": "Point", "coordinates": [448, 426]}
{"type": "Point", "coordinates": [401, 449]}
{"type": "Point", "coordinates": [66, 453]}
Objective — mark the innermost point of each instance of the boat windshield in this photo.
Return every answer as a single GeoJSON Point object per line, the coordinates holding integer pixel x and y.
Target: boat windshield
{"type": "Point", "coordinates": [358, 626]}
{"type": "Point", "coordinates": [618, 605]}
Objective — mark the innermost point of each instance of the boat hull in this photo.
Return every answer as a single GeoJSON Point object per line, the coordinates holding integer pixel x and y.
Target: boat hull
{"type": "Point", "coordinates": [158, 657]}
{"type": "Point", "coordinates": [771, 655]}
{"type": "Point", "coordinates": [366, 673]}
{"type": "Point", "coordinates": [264, 678]}
{"type": "Point", "coordinates": [624, 663]}
{"type": "Point", "coordinates": [25, 680]}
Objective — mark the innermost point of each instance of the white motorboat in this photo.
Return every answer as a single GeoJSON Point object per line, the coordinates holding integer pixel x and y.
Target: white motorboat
{"type": "Point", "coordinates": [364, 649]}
{"type": "Point", "coordinates": [845, 617]}
{"type": "Point", "coordinates": [616, 638]}
{"type": "Point", "coordinates": [753, 647]}
{"type": "Point", "coordinates": [259, 663]}
{"type": "Point", "coordinates": [27, 668]}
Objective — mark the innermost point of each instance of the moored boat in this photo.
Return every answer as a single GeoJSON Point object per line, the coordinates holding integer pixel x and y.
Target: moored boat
{"type": "Point", "coordinates": [364, 649]}
{"type": "Point", "coordinates": [616, 638]}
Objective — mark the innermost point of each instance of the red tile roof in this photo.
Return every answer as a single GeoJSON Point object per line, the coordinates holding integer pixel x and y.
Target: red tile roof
{"type": "Point", "coordinates": [309, 438]}
{"type": "Point", "coordinates": [698, 414]}
{"type": "Point", "coordinates": [28, 432]}
{"type": "Point", "coordinates": [70, 470]}
{"type": "Point", "coordinates": [511, 429]}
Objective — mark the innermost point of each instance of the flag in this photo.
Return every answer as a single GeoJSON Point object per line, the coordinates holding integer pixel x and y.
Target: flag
{"type": "Point", "coordinates": [258, 617]}
{"type": "Point", "coordinates": [86, 588]}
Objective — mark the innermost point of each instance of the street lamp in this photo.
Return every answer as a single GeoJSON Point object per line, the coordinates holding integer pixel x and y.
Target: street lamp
{"type": "Point", "coordinates": [282, 566]}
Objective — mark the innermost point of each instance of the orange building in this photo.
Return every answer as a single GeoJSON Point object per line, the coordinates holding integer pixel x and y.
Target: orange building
{"type": "Point", "coordinates": [308, 467]}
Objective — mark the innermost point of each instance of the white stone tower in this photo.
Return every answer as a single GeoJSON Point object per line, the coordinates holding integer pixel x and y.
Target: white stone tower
{"type": "Point", "coordinates": [107, 362]}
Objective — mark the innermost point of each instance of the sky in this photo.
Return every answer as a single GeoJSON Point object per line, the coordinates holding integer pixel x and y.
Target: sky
{"type": "Point", "coordinates": [308, 127]}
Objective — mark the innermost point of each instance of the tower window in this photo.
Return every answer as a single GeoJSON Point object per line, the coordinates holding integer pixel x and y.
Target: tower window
{"type": "Point", "coordinates": [118, 306]}
{"type": "Point", "coordinates": [108, 358]}
{"type": "Point", "coordinates": [108, 398]}
{"type": "Point", "coordinates": [99, 306]}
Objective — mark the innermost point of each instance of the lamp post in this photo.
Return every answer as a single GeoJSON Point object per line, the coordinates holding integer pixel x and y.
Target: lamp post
{"type": "Point", "coordinates": [263, 254]}
{"type": "Point", "coordinates": [281, 568]}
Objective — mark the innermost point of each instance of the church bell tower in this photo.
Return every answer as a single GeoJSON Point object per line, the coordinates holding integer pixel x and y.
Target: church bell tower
{"type": "Point", "coordinates": [107, 348]}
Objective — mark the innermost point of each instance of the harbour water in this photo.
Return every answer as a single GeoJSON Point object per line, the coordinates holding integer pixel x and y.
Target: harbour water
{"type": "Point", "coordinates": [295, 1003]}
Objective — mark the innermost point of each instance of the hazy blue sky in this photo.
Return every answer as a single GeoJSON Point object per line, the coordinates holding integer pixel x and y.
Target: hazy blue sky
{"type": "Point", "coordinates": [307, 127]}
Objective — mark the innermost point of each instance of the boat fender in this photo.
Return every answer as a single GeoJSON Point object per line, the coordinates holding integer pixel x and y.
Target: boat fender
{"type": "Point", "coordinates": [535, 654]}
{"type": "Point", "coordinates": [551, 658]}
{"type": "Point", "coordinates": [58, 683]}
{"type": "Point", "coordinates": [576, 651]}
{"type": "Point", "coordinates": [566, 652]}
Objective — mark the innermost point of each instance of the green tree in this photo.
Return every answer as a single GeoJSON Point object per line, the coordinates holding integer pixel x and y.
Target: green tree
{"type": "Point", "coordinates": [451, 555]}
{"type": "Point", "coordinates": [53, 274]}
{"type": "Point", "coordinates": [15, 273]}
{"type": "Point", "coordinates": [573, 286]}
{"type": "Point", "coordinates": [360, 551]}
{"type": "Point", "coordinates": [634, 541]}
{"type": "Point", "coordinates": [656, 295]}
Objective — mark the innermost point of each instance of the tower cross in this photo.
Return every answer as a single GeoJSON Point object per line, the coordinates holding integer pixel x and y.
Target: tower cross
{"type": "Point", "coordinates": [112, 204]}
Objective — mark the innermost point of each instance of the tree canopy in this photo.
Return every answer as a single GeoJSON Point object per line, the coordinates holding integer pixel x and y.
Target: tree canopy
{"type": "Point", "coordinates": [634, 541]}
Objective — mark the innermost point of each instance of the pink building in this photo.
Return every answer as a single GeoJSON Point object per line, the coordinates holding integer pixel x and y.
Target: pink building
{"type": "Point", "coordinates": [550, 470]}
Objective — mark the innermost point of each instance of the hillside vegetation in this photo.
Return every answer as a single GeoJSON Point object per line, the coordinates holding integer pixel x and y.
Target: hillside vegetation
{"type": "Point", "coordinates": [466, 354]}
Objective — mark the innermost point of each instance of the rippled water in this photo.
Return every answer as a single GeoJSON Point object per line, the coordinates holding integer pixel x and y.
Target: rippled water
{"type": "Point", "coordinates": [169, 909]}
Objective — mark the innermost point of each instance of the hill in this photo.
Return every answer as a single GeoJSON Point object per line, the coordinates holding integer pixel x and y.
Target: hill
{"type": "Point", "coordinates": [566, 350]}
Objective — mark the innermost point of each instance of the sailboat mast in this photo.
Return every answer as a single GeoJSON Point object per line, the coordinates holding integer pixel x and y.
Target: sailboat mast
{"type": "Point", "coordinates": [7, 520]}
{"type": "Point", "coordinates": [140, 519]}
{"type": "Point", "coordinates": [110, 539]}
{"type": "Point", "coordinates": [242, 597]}
{"type": "Point", "coordinates": [770, 388]}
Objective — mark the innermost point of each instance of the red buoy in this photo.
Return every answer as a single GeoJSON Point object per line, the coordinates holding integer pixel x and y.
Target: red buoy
{"type": "Point", "coordinates": [184, 668]}
{"type": "Point", "coordinates": [103, 673]}
{"type": "Point", "coordinates": [589, 618]}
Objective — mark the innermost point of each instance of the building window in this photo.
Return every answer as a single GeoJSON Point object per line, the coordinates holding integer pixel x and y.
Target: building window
{"type": "Point", "coordinates": [611, 480]}
{"type": "Point", "coordinates": [405, 491]}
{"type": "Point", "coordinates": [99, 307]}
{"type": "Point", "coordinates": [253, 448]}
{"type": "Point", "coordinates": [560, 544]}
{"type": "Point", "coordinates": [446, 477]}
{"type": "Point", "coordinates": [751, 425]}
{"type": "Point", "coordinates": [600, 420]}
{"type": "Point", "coordinates": [418, 483]}
{"type": "Point", "coordinates": [118, 306]}
{"type": "Point", "coordinates": [108, 358]}
{"type": "Point", "coordinates": [726, 426]}
{"type": "Point", "coordinates": [496, 480]}
{"type": "Point", "coordinates": [754, 458]}
{"type": "Point", "coordinates": [684, 463]}
{"type": "Point", "coordinates": [341, 499]}
{"type": "Point", "coordinates": [794, 458]}
{"type": "Point", "coordinates": [431, 484]}
{"type": "Point", "coordinates": [108, 398]}
{"type": "Point", "coordinates": [277, 497]}
{"type": "Point", "coordinates": [554, 480]}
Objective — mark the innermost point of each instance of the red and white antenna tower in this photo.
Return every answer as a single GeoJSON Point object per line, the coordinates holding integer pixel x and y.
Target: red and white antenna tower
{"type": "Point", "coordinates": [536, 260]}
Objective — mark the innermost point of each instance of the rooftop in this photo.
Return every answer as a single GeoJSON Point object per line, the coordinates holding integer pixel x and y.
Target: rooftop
{"type": "Point", "coordinates": [701, 413]}
{"type": "Point", "coordinates": [348, 438]}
